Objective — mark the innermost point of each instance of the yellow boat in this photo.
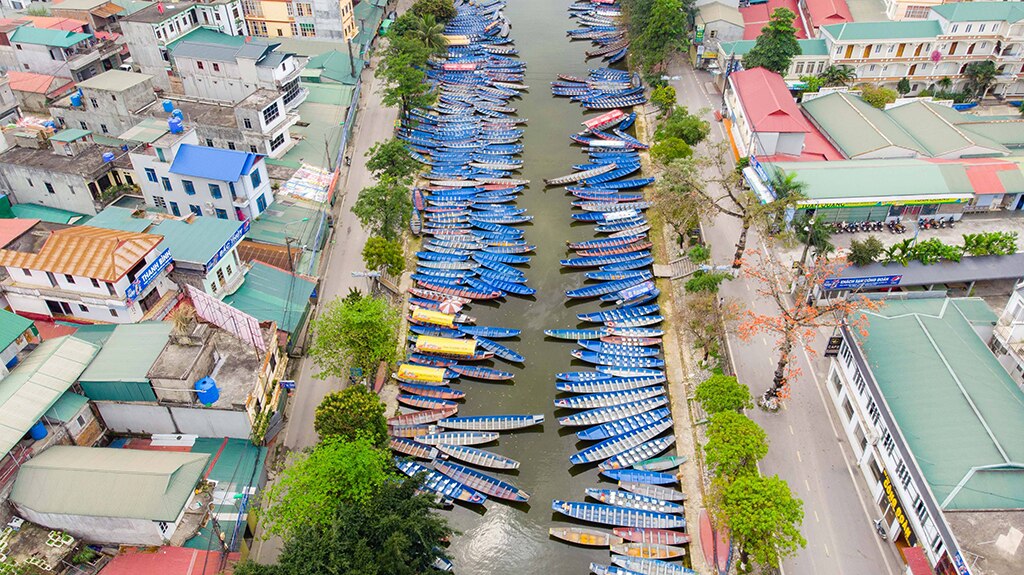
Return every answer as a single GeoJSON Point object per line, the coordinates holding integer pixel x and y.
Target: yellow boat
{"type": "Point", "coordinates": [583, 536]}
{"type": "Point", "coordinates": [648, 550]}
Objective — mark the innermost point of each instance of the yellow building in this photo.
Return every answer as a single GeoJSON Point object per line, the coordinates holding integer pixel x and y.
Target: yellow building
{"type": "Point", "coordinates": [328, 19]}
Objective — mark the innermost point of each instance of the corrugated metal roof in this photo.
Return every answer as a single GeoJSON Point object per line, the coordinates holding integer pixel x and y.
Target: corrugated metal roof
{"type": "Point", "coordinates": [48, 214]}
{"type": "Point", "coordinates": [12, 326]}
{"type": "Point", "coordinates": [767, 102]}
{"type": "Point", "coordinates": [926, 123]}
{"type": "Point", "coordinates": [115, 218]}
{"type": "Point", "coordinates": [856, 127]}
{"type": "Point", "coordinates": [70, 135]}
{"type": "Point", "coordinates": [12, 228]}
{"type": "Point", "coordinates": [114, 80]}
{"type": "Point", "coordinates": [67, 406]}
{"type": "Point", "coordinates": [106, 482]}
{"type": "Point", "coordinates": [48, 37]}
{"type": "Point", "coordinates": [906, 29]}
{"type": "Point", "coordinates": [212, 163]}
{"type": "Point", "coordinates": [35, 384]}
{"type": "Point", "coordinates": [272, 294]}
{"type": "Point", "coordinates": [87, 252]}
{"type": "Point", "coordinates": [981, 11]}
{"type": "Point", "coordinates": [196, 241]}
{"type": "Point", "coordinates": [129, 353]}
{"type": "Point", "coordinates": [879, 180]}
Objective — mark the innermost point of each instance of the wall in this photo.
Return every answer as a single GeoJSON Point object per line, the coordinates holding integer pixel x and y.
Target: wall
{"type": "Point", "coordinates": [71, 190]}
{"type": "Point", "coordinates": [230, 267]}
{"type": "Point", "coordinates": [40, 59]}
{"type": "Point", "coordinates": [149, 419]}
{"type": "Point", "coordinates": [32, 103]}
{"type": "Point", "coordinates": [147, 51]}
{"type": "Point", "coordinates": [103, 530]}
{"type": "Point", "coordinates": [226, 83]}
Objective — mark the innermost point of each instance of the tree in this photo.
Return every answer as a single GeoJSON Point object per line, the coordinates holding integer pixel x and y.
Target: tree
{"type": "Point", "coordinates": [945, 83]}
{"type": "Point", "coordinates": [429, 32]}
{"type": "Point", "coordinates": [903, 86]}
{"type": "Point", "coordinates": [350, 413]}
{"type": "Point", "coordinates": [684, 125]}
{"type": "Point", "coordinates": [797, 320]}
{"type": "Point", "coordinates": [671, 149]}
{"type": "Point", "coordinates": [663, 31]}
{"type": "Point", "coordinates": [980, 76]}
{"type": "Point", "coordinates": [401, 69]}
{"type": "Point", "coordinates": [359, 333]}
{"type": "Point", "coordinates": [395, 532]}
{"type": "Point", "coordinates": [391, 159]}
{"type": "Point", "coordinates": [703, 281]}
{"type": "Point", "coordinates": [704, 320]}
{"type": "Point", "coordinates": [382, 254]}
{"type": "Point", "coordinates": [721, 392]}
{"type": "Point", "coordinates": [865, 252]}
{"type": "Point", "coordinates": [442, 10]}
{"type": "Point", "coordinates": [664, 97]}
{"type": "Point", "coordinates": [841, 75]}
{"type": "Point", "coordinates": [675, 196]}
{"type": "Point", "coordinates": [384, 208]}
{"type": "Point", "coordinates": [876, 96]}
{"type": "Point", "coordinates": [336, 471]}
{"type": "Point", "coordinates": [812, 83]}
{"type": "Point", "coordinates": [775, 48]}
{"type": "Point", "coordinates": [763, 517]}
{"type": "Point", "coordinates": [735, 445]}
{"type": "Point", "coordinates": [813, 232]}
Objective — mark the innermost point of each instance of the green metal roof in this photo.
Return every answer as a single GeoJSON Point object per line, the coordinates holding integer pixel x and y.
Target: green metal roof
{"type": "Point", "coordinates": [272, 294]}
{"type": "Point", "coordinates": [882, 181]}
{"type": "Point", "coordinates": [209, 36]}
{"type": "Point", "coordinates": [906, 29]}
{"type": "Point", "coordinates": [66, 407]}
{"type": "Point", "coordinates": [97, 333]}
{"type": "Point", "coordinates": [856, 127]}
{"type": "Point", "coordinates": [808, 47]}
{"type": "Point", "coordinates": [287, 218]}
{"type": "Point", "coordinates": [108, 482]}
{"type": "Point", "coordinates": [195, 242]}
{"type": "Point", "coordinates": [324, 110]}
{"type": "Point", "coordinates": [48, 37]}
{"type": "Point", "coordinates": [129, 353]}
{"type": "Point", "coordinates": [336, 66]}
{"type": "Point", "coordinates": [70, 135]}
{"type": "Point", "coordinates": [981, 11]}
{"type": "Point", "coordinates": [115, 218]}
{"type": "Point", "coordinates": [48, 214]}
{"type": "Point", "coordinates": [931, 127]}
{"type": "Point", "coordinates": [147, 131]}
{"type": "Point", "coordinates": [35, 384]}
{"type": "Point", "coordinates": [959, 411]}
{"type": "Point", "coordinates": [12, 326]}
{"type": "Point", "coordinates": [1007, 132]}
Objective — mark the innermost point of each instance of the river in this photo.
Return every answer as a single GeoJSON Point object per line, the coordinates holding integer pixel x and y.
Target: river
{"type": "Point", "coordinates": [507, 539]}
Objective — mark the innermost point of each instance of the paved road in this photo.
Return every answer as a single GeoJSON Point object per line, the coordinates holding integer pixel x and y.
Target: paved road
{"type": "Point", "coordinates": [807, 449]}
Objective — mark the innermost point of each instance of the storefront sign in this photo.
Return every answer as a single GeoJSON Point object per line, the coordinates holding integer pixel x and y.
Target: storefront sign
{"type": "Point", "coordinates": [228, 245]}
{"type": "Point", "coordinates": [698, 35]}
{"type": "Point", "coordinates": [960, 564]}
{"type": "Point", "coordinates": [833, 345]}
{"type": "Point", "coordinates": [148, 274]}
{"type": "Point", "coordinates": [897, 509]}
{"type": "Point", "coordinates": [761, 172]}
{"type": "Point", "coordinates": [880, 204]}
{"type": "Point", "coordinates": [287, 384]}
{"type": "Point", "coordinates": [861, 282]}
{"type": "Point", "coordinates": [710, 54]}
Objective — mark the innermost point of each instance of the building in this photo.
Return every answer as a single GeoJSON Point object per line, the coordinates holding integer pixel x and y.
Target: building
{"type": "Point", "coordinates": [1008, 337]}
{"type": "Point", "coordinates": [935, 431]}
{"type": "Point", "coordinates": [149, 31]}
{"type": "Point", "coordinates": [99, 14]}
{"type": "Point", "coordinates": [66, 171]}
{"type": "Point", "coordinates": [230, 70]}
{"type": "Point", "coordinates": [87, 274]}
{"type": "Point", "coordinates": [120, 496]}
{"type": "Point", "coordinates": [107, 104]}
{"type": "Point", "coordinates": [818, 13]}
{"type": "Point", "coordinates": [909, 9]}
{"type": "Point", "coordinates": [271, 294]}
{"type": "Point", "coordinates": [16, 332]}
{"type": "Point", "coordinates": [34, 93]}
{"type": "Point", "coordinates": [8, 101]}
{"type": "Point", "coordinates": [714, 23]}
{"type": "Point", "coordinates": [59, 52]}
{"type": "Point", "coordinates": [325, 19]}
{"type": "Point", "coordinates": [757, 15]}
{"type": "Point", "coordinates": [812, 60]}
{"type": "Point", "coordinates": [180, 176]}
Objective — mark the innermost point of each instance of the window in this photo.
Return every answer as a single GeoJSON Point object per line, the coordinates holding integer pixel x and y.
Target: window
{"type": "Point", "coordinates": [247, 123]}
{"type": "Point", "coordinates": [81, 307]}
{"type": "Point", "coordinates": [221, 214]}
{"type": "Point", "coordinates": [81, 421]}
{"type": "Point", "coordinates": [209, 143]}
{"type": "Point", "coordinates": [858, 380]}
{"type": "Point", "coordinates": [220, 277]}
{"type": "Point", "coordinates": [878, 49]}
{"type": "Point", "coordinates": [195, 209]}
{"type": "Point", "coordinates": [307, 29]}
{"type": "Point", "coordinates": [800, 68]}
{"type": "Point", "coordinates": [215, 191]}
{"type": "Point", "coordinates": [255, 178]}
{"type": "Point", "coordinates": [216, 67]}
{"type": "Point", "coordinates": [103, 128]}
{"type": "Point", "coordinates": [270, 113]}
{"type": "Point", "coordinates": [199, 64]}
{"type": "Point", "coordinates": [231, 145]}
{"type": "Point", "coordinates": [69, 278]}
{"type": "Point", "coordinates": [917, 12]}
{"type": "Point", "coordinates": [159, 202]}
{"type": "Point", "coordinates": [167, 184]}
{"type": "Point", "coordinates": [49, 187]}
{"type": "Point", "coordinates": [968, 29]}
{"type": "Point", "coordinates": [847, 408]}
{"type": "Point", "coordinates": [151, 174]}
{"type": "Point", "coordinates": [71, 189]}
{"type": "Point", "coordinates": [276, 141]}
{"type": "Point", "coordinates": [113, 313]}
{"type": "Point", "coordinates": [190, 189]}
{"type": "Point", "coordinates": [936, 544]}
{"type": "Point", "coordinates": [231, 186]}
{"type": "Point", "coordinates": [30, 184]}
{"type": "Point", "coordinates": [980, 30]}
{"type": "Point", "coordinates": [837, 382]}
{"type": "Point", "coordinates": [83, 125]}
{"type": "Point", "coordinates": [94, 103]}
{"type": "Point", "coordinates": [919, 507]}
{"type": "Point", "coordinates": [26, 271]}
{"type": "Point", "coordinates": [110, 288]}
{"type": "Point", "coordinates": [254, 149]}
{"type": "Point", "coordinates": [95, 283]}
{"type": "Point", "coordinates": [160, 155]}
{"type": "Point", "coordinates": [174, 209]}
{"type": "Point", "coordinates": [261, 203]}
{"type": "Point", "coordinates": [229, 269]}
{"type": "Point", "coordinates": [888, 443]}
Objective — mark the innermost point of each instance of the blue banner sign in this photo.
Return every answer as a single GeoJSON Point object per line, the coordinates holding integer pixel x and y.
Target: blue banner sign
{"type": "Point", "coordinates": [228, 245]}
{"type": "Point", "coordinates": [147, 275]}
{"type": "Point", "coordinates": [860, 283]}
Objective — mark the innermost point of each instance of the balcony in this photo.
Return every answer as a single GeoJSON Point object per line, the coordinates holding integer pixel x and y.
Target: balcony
{"type": "Point", "coordinates": [89, 52]}
{"type": "Point", "coordinates": [44, 292]}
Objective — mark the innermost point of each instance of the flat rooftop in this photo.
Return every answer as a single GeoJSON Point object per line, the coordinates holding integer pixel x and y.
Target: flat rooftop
{"type": "Point", "coordinates": [87, 164]}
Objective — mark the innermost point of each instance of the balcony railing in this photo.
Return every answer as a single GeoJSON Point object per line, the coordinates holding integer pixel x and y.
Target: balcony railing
{"type": "Point", "coordinates": [39, 291]}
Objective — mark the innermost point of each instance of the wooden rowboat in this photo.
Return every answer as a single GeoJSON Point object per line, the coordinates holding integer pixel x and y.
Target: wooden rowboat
{"type": "Point", "coordinates": [411, 431]}
{"type": "Point", "coordinates": [621, 443]}
{"type": "Point", "coordinates": [637, 476]}
{"type": "Point", "coordinates": [440, 484]}
{"type": "Point", "coordinates": [421, 417]}
{"type": "Point", "coordinates": [621, 426]}
{"type": "Point", "coordinates": [421, 402]}
{"type": "Point", "coordinates": [491, 422]}
{"type": "Point", "coordinates": [649, 566]}
{"type": "Point", "coordinates": [484, 373]}
{"type": "Point", "coordinates": [648, 550]}
{"type": "Point", "coordinates": [608, 385]}
{"type": "Point", "coordinates": [478, 457]}
{"type": "Point", "coordinates": [658, 536]}
{"type": "Point", "coordinates": [578, 176]}
{"type": "Point", "coordinates": [577, 334]}
{"type": "Point", "coordinates": [482, 482]}
{"type": "Point", "coordinates": [584, 536]}
{"type": "Point", "coordinates": [432, 391]}
{"type": "Point", "coordinates": [612, 413]}
{"type": "Point", "coordinates": [625, 340]}
{"type": "Point", "coordinates": [661, 463]}
{"type": "Point", "coordinates": [651, 490]}
{"type": "Point", "coordinates": [619, 516]}
{"type": "Point", "coordinates": [639, 453]}
{"type": "Point", "coordinates": [412, 448]}
{"type": "Point", "coordinates": [633, 501]}
{"type": "Point", "coordinates": [458, 438]}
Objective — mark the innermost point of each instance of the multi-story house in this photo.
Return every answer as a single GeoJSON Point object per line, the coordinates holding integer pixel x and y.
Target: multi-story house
{"type": "Point", "coordinates": [180, 177]}
{"type": "Point", "coordinates": [909, 9]}
{"type": "Point", "coordinates": [150, 31]}
{"type": "Point", "coordinates": [329, 19]}
{"type": "Point", "coordinates": [88, 274]}
{"type": "Point", "coordinates": [56, 52]}
{"type": "Point", "coordinates": [1008, 337]}
{"type": "Point", "coordinates": [107, 104]}
{"type": "Point", "coordinates": [812, 59]}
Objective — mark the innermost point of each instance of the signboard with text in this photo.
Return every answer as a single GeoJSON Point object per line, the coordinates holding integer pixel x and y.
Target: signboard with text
{"type": "Point", "coordinates": [148, 275]}
{"type": "Point", "coordinates": [897, 508]}
{"type": "Point", "coordinates": [861, 282]}
{"type": "Point", "coordinates": [832, 347]}
{"type": "Point", "coordinates": [228, 245]}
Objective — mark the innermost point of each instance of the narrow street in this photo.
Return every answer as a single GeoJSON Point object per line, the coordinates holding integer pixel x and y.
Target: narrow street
{"type": "Point", "coordinates": [806, 446]}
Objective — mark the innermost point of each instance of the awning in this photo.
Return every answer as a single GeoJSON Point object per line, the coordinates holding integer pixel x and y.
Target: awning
{"type": "Point", "coordinates": [432, 317]}
{"type": "Point", "coordinates": [447, 345]}
{"type": "Point", "coordinates": [421, 373]}
{"type": "Point", "coordinates": [755, 183]}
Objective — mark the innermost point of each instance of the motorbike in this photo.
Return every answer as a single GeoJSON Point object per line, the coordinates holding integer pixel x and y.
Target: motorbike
{"type": "Point", "coordinates": [880, 529]}
{"type": "Point", "coordinates": [951, 222]}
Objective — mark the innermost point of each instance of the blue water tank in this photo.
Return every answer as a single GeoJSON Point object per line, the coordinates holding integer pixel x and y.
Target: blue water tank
{"type": "Point", "coordinates": [178, 114]}
{"type": "Point", "coordinates": [206, 391]}
{"type": "Point", "coordinates": [174, 125]}
{"type": "Point", "coordinates": [38, 431]}
{"type": "Point", "coordinates": [168, 105]}
{"type": "Point", "coordinates": [76, 99]}
{"type": "Point", "coordinates": [108, 157]}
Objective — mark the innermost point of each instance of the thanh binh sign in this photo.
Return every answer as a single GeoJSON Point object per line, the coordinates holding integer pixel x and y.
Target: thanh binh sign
{"type": "Point", "coordinates": [147, 275]}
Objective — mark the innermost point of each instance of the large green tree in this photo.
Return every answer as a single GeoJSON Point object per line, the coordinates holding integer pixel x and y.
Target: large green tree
{"type": "Point", "coordinates": [763, 518]}
{"type": "Point", "coordinates": [352, 413]}
{"type": "Point", "coordinates": [684, 125]}
{"type": "Point", "coordinates": [735, 445]}
{"type": "Point", "coordinates": [442, 10]}
{"type": "Point", "coordinates": [384, 208]}
{"type": "Point", "coordinates": [662, 32]}
{"type": "Point", "coordinates": [840, 75]}
{"type": "Point", "coordinates": [382, 254]}
{"type": "Point", "coordinates": [980, 76]}
{"type": "Point", "coordinates": [314, 484]}
{"type": "Point", "coordinates": [354, 332]}
{"type": "Point", "coordinates": [429, 32]}
{"type": "Point", "coordinates": [722, 392]}
{"type": "Point", "coordinates": [775, 48]}
{"type": "Point", "coordinates": [401, 69]}
{"type": "Point", "coordinates": [391, 159]}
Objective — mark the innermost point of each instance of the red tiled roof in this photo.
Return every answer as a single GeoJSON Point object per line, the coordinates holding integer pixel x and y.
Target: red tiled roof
{"type": "Point", "coordinates": [166, 561]}
{"type": "Point", "coordinates": [86, 251]}
{"type": "Point", "coordinates": [12, 228]}
{"type": "Point", "coordinates": [825, 12]}
{"type": "Point", "coordinates": [57, 23]}
{"type": "Point", "coordinates": [982, 173]}
{"type": "Point", "coordinates": [51, 330]}
{"type": "Point", "coordinates": [38, 83]}
{"type": "Point", "coordinates": [766, 101]}
{"type": "Point", "coordinates": [756, 17]}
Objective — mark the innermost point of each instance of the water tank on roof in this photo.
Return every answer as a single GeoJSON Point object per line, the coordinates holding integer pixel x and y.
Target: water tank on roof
{"type": "Point", "coordinates": [174, 125]}
{"type": "Point", "coordinates": [168, 106]}
{"type": "Point", "coordinates": [206, 391]}
{"type": "Point", "coordinates": [108, 157]}
{"type": "Point", "coordinates": [38, 431]}
{"type": "Point", "coordinates": [177, 114]}
{"type": "Point", "coordinates": [76, 99]}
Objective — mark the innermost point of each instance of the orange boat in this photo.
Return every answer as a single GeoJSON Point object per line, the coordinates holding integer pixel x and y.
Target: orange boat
{"type": "Point", "coordinates": [648, 550]}
{"type": "Point", "coordinates": [584, 536]}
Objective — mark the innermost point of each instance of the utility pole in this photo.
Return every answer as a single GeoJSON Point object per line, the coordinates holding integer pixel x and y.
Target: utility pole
{"type": "Point", "coordinates": [351, 58]}
{"type": "Point", "coordinates": [288, 244]}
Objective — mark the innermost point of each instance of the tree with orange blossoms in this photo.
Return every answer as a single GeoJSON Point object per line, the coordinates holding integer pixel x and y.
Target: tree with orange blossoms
{"type": "Point", "coordinates": [795, 320]}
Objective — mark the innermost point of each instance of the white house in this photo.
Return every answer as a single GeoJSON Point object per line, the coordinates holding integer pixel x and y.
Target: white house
{"type": "Point", "coordinates": [87, 274]}
{"type": "Point", "coordinates": [179, 176]}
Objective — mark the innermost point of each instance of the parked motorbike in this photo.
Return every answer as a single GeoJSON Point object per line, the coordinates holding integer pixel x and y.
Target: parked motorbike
{"type": "Point", "coordinates": [880, 529]}
{"type": "Point", "coordinates": [951, 222]}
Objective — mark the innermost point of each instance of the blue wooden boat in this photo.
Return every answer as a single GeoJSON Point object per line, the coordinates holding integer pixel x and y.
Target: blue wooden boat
{"type": "Point", "coordinates": [645, 566]}
{"type": "Point", "coordinates": [637, 476]}
{"type": "Point", "coordinates": [488, 331]}
{"type": "Point", "coordinates": [432, 361]}
{"type": "Point", "coordinates": [650, 490]}
{"type": "Point", "coordinates": [450, 274]}
{"type": "Point", "coordinates": [637, 331]}
{"type": "Point", "coordinates": [637, 321]}
{"type": "Point", "coordinates": [466, 265]}
{"type": "Point", "coordinates": [420, 402]}
{"type": "Point", "coordinates": [616, 360]}
{"type": "Point", "coordinates": [608, 385]}
{"type": "Point", "coordinates": [647, 450]}
{"type": "Point", "coordinates": [600, 261]}
{"type": "Point", "coordinates": [617, 314]}
{"type": "Point", "coordinates": [484, 373]}
{"type": "Point", "coordinates": [490, 227]}
{"type": "Point", "coordinates": [492, 422]}
{"type": "Point", "coordinates": [612, 413]}
{"type": "Point", "coordinates": [440, 484]}
{"type": "Point", "coordinates": [513, 249]}
{"type": "Point", "coordinates": [502, 258]}
{"type": "Point", "coordinates": [633, 500]}
{"type": "Point", "coordinates": [599, 569]}
{"type": "Point", "coordinates": [582, 376]}
{"type": "Point", "coordinates": [435, 331]}
{"type": "Point", "coordinates": [603, 243]}
{"type": "Point", "coordinates": [440, 280]}
{"type": "Point", "coordinates": [618, 516]}
{"type": "Point", "coordinates": [618, 427]}
{"type": "Point", "coordinates": [482, 482]}
{"type": "Point", "coordinates": [620, 443]}
{"type": "Point", "coordinates": [500, 285]}
{"type": "Point", "coordinates": [577, 334]}
{"type": "Point", "coordinates": [660, 463]}
{"type": "Point", "coordinates": [436, 257]}
{"type": "Point", "coordinates": [478, 457]}
{"type": "Point", "coordinates": [615, 276]}
{"type": "Point", "coordinates": [500, 350]}
{"type": "Point", "coordinates": [627, 121]}
{"type": "Point", "coordinates": [501, 268]}
{"type": "Point", "coordinates": [602, 288]}
{"type": "Point", "coordinates": [633, 298]}
{"type": "Point", "coordinates": [615, 349]}
{"type": "Point", "coordinates": [610, 398]}
{"type": "Point", "coordinates": [486, 275]}
{"type": "Point", "coordinates": [458, 437]}
{"type": "Point", "coordinates": [458, 291]}
{"type": "Point", "coordinates": [412, 448]}
{"type": "Point", "coordinates": [622, 225]}
{"type": "Point", "coordinates": [627, 184]}
{"type": "Point", "coordinates": [623, 371]}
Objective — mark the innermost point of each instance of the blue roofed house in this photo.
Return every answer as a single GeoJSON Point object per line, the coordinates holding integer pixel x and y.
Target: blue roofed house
{"type": "Point", "coordinates": [179, 176]}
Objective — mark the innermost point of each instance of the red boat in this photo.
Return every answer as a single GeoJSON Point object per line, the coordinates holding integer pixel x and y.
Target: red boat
{"type": "Point", "coordinates": [626, 249]}
{"type": "Point", "coordinates": [436, 296]}
{"type": "Point", "coordinates": [435, 391]}
{"type": "Point", "coordinates": [421, 417]}
{"type": "Point", "coordinates": [633, 341]}
{"type": "Point", "coordinates": [715, 544]}
{"type": "Point", "coordinates": [607, 119]}
{"type": "Point", "coordinates": [477, 356]}
{"type": "Point", "coordinates": [410, 431]}
{"type": "Point", "coordinates": [655, 536]}
{"type": "Point", "coordinates": [421, 402]}
{"type": "Point", "coordinates": [459, 292]}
